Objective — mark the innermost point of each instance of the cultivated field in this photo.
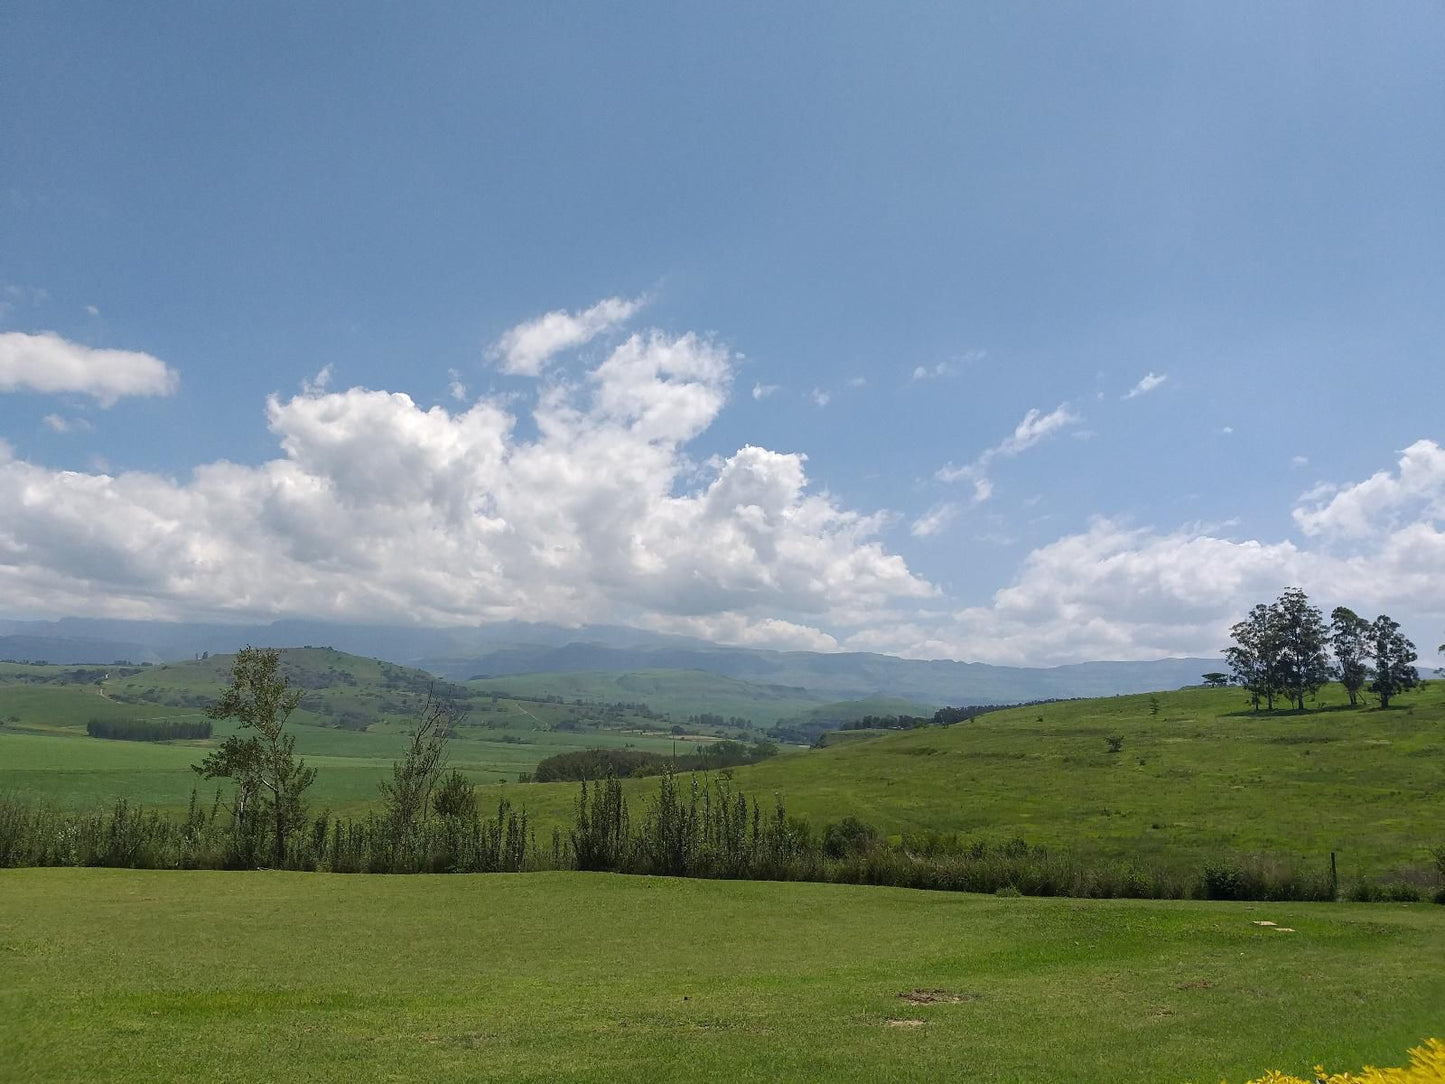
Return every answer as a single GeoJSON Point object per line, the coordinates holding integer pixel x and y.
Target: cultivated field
{"type": "Point", "coordinates": [155, 976]}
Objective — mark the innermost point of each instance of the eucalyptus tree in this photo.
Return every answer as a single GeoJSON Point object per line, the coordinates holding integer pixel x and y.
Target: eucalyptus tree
{"type": "Point", "coordinates": [1304, 663]}
{"type": "Point", "coordinates": [271, 781]}
{"type": "Point", "coordinates": [1255, 657]}
{"type": "Point", "coordinates": [1394, 660]}
{"type": "Point", "coordinates": [1351, 639]}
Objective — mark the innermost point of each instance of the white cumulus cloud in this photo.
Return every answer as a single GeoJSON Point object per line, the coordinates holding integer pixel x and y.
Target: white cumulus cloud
{"type": "Point", "coordinates": [526, 349]}
{"type": "Point", "coordinates": [1416, 489]}
{"type": "Point", "coordinates": [1125, 592]}
{"type": "Point", "coordinates": [378, 509]}
{"type": "Point", "coordinates": [50, 364]}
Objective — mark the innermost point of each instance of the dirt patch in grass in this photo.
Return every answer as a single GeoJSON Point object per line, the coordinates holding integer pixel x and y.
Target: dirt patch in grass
{"type": "Point", "coordinates": [904, 1023]}
{"type": "Point", "coordinates": [935, 997]}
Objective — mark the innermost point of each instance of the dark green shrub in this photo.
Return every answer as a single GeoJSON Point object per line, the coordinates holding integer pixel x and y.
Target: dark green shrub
{"type": "Point", "coordinates": [849, 836]}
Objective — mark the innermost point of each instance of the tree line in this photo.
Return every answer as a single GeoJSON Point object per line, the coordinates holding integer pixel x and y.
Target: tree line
{"type": "Point", "coordinates": [1285, 649]}
{"type": "Point", "coordinates": [149, 729]}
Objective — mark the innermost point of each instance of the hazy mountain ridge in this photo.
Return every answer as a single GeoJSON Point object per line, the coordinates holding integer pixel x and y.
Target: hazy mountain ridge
{"type": "Point", "coordinates": [515, 648]}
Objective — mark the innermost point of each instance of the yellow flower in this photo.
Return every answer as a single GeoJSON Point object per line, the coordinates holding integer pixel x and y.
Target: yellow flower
{"type": "Point", "coordinates": [1427, 1066]}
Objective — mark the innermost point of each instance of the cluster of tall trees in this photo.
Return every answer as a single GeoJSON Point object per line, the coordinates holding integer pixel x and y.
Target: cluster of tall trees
{"type": "Point", "coordinates": [1286, 649]}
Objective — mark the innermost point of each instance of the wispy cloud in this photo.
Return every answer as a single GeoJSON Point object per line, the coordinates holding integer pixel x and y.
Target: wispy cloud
{"type": "Point", "coordinates": [924, 372]}
{"type": "Point", "coordinates": [1035, 427]}
{"type": "Point", "coordinates": [1147, 383]}
{"type": "Point", "coordinates": [58, 424]}
{"type": "Point", "coordinates": [934, 520]}
{"type": "Point", "coordinates": [526, 348]}
{"type": "Point", "coordinates": [762, 391]}
{"type": "Point", "coordinates": [318, 384]}
{"type": "Point", "coordinates": [456, 389]}
{"type": "Point", "coordinates": [820, 397]}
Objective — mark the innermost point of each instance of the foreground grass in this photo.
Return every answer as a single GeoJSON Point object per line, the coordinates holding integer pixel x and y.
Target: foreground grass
{"type": "Point", "coordinates": [152, 976]}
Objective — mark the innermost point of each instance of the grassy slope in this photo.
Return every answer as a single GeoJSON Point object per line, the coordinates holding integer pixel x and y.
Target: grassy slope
{"type": "Point", "coordinates": [45, 753]}
{"type": "Point", "coordinates": [679, 693]}
{"type": "Point", "coordinates": [1195, 780]}
{"type": "Point", "coordinates": [154, 976]}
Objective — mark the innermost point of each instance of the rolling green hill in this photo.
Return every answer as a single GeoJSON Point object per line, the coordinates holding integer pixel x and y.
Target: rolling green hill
{"type": "Point", "coordinates": [1196, 775]}
{"type": "Point", "coordinates": [676, 693]}
{"type": "Point", "coordinates": [351, 726]}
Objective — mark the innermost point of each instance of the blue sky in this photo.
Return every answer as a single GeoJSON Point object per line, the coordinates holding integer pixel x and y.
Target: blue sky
{"type": "Point", "coordinates": [931, 248]}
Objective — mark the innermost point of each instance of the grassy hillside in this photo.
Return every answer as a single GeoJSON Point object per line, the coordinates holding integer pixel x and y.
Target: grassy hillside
{"type": "Point", "coordinates": [1196, 774]}
{"type": "Point", "coordinates": [1200, 777]}
{"type": "Point", "coordinates": [677, 693]}
{"type": "Point", "coordinates": [155, 976]}
{"type": "Point", "coordinates": [351, 726]}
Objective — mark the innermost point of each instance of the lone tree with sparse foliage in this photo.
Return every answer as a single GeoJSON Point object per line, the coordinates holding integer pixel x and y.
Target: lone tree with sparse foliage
{"type": "Point", "coordinates": [1394, 660]}
{"type": "Point", "coordinates": [271, 781]}
{"type": "Point", "coordinates": [408, 795]}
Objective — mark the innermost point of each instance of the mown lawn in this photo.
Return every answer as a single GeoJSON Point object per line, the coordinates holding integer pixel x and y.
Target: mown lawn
{"type": "Point", "coordinates": [161, 976]}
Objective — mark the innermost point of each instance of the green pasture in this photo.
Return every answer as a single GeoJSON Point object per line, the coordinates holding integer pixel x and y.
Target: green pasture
{"type": "Point", "coordinates": [1200, 778]}
{"type": "Point", "coordinates": [46, 755]}
{"type": "Point", "coordinates": [1197, 775]}
{"type": "Point", "coordinates": [677, 693]}
{"type": "Point", "coordinates": [163, 976]}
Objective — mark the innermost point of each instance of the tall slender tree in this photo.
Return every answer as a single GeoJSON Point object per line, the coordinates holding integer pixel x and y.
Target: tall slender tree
{"type": "Point", "coordinates": [1351, 639]}
{"type": "Point", "coordinates": [1255, 657]}
{"type": "Point", "coordinates": [1304, 663]}
{"type": "Point", "coordinates": [408, 794]}
{"type": "Point", "coordinates": [1394, 660]}
{"type": "Point", "coordinates": [271, 781]}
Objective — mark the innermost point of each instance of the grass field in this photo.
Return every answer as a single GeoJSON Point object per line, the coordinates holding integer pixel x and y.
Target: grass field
{"type": "Point", "coordinates": [46, 755]}
{"type": "Point", "coordinates": [1196, 774]}
{"type": "Point", "coordinates": [679, 693]}
{"type": "Point", "coordinates": [1198, 778]}
{"type": "Point", "coordinates": [154, 976]}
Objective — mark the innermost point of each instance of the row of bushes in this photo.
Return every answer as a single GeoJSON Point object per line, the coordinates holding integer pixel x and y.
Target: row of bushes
{"type": "Point", "coordinates": [696, 828]}
{"type": "Point", "coordinates": [210, 838]}
{"type": "Point", "coordinates": [148, 729]}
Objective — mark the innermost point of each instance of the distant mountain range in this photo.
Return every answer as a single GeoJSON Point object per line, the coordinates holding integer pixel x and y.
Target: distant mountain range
{"type": "Point", "coordinates": [514, 648]}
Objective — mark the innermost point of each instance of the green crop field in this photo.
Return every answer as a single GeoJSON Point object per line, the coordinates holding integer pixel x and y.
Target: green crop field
{"type": "Point", "coordinates": [164, 976]}
{"type": "Point", "coordinates": [1199, 777]}
{"type": "Point", "coordinates": [46, 755]}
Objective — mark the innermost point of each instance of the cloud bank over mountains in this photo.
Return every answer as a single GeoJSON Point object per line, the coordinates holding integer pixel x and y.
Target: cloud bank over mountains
{"type": "Point", "coordinates": [380, 509]}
